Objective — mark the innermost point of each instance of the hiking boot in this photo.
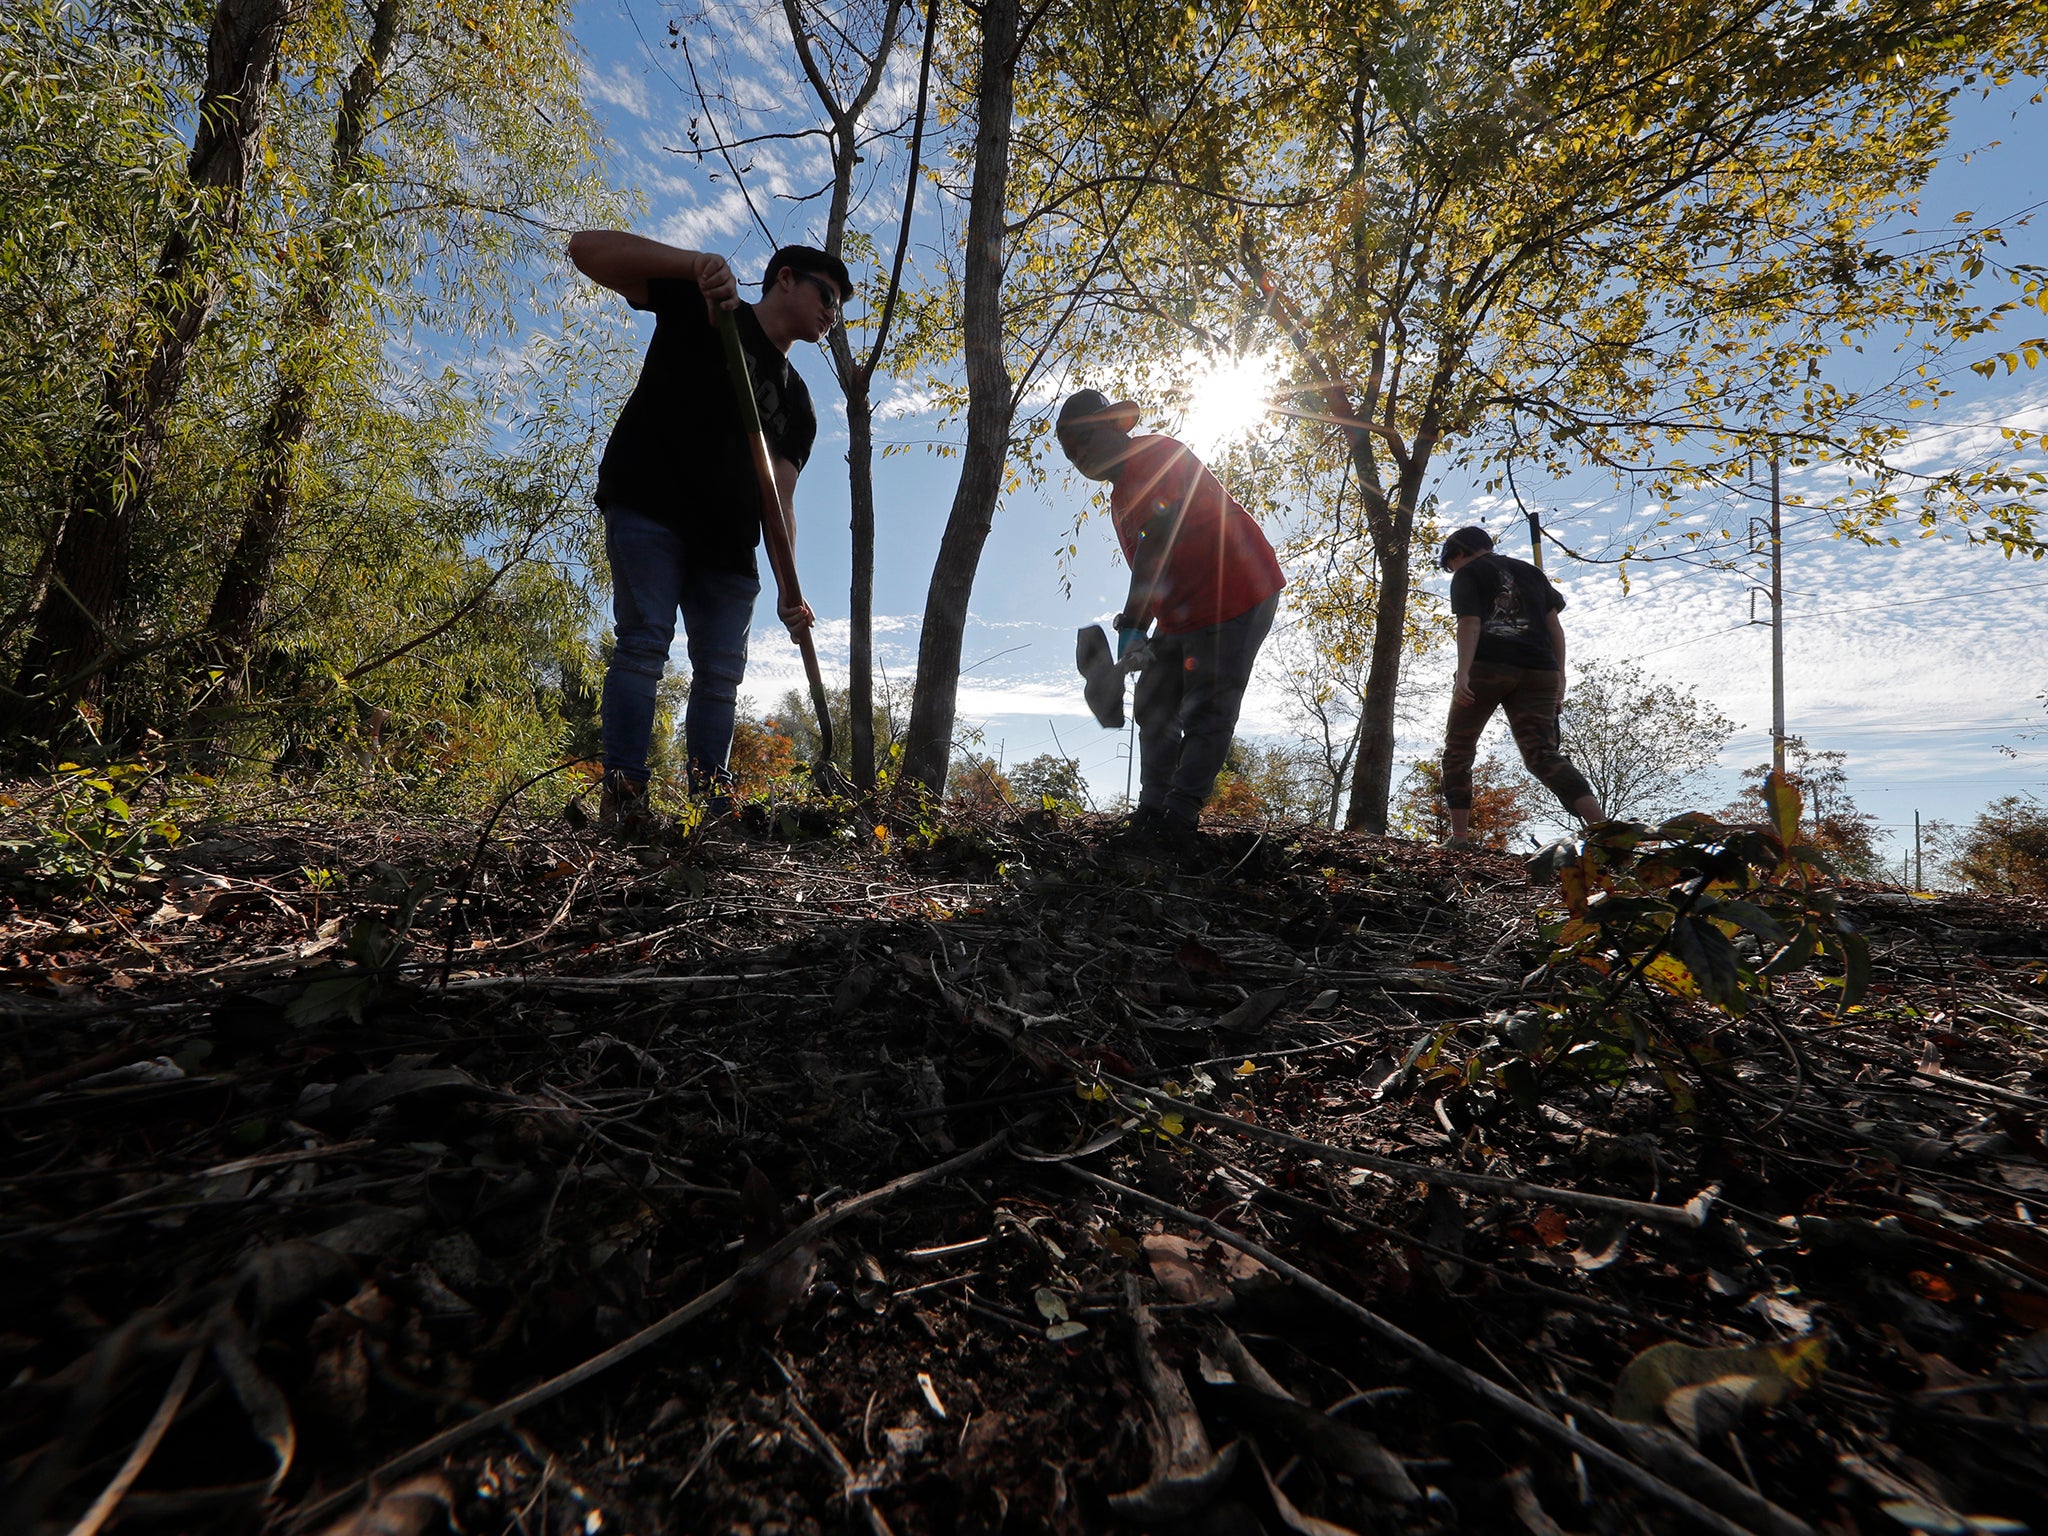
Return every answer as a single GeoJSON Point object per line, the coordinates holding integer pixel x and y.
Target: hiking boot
{"type": "Point", "coordinates": [1103, 685]}
{"type": "Point", "coordinates": [1137, 828]}
{"type": "Point", "coordinates": [1178, 837]}
{"type": "Point", "coordinates": [1161, 833]}
{"type": "Point", "coordinates": [623, 810]}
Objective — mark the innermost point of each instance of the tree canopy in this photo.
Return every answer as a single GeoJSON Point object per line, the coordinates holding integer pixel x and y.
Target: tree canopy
{"type": "Point", "coordinates": [1645, 745]}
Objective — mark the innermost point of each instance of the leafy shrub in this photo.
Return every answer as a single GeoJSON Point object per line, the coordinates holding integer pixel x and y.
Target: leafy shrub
{"type": "Point", "coordinates": [89, 832]}
{"type": "Point", "coordinates": [1694, 910]}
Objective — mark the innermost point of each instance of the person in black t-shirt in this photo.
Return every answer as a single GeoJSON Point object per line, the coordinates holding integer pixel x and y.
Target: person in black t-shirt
{"type": "Point", "coordinates": [676, 487]}
{"type": "Point", "coordinates": [1510, 655]}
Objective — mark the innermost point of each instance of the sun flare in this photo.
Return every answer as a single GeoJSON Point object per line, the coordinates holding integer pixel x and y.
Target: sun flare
{"type": "Point", "coordinates": [1228, 398]}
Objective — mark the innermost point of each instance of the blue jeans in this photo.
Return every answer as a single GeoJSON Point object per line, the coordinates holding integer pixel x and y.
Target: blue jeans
{"type": "Point", "coordinates": [653, 577]}
{"type": "Point", "coordinates": [1186, 705]}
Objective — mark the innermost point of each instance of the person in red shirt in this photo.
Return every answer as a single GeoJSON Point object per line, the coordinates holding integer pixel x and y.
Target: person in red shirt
{"type": "Point", "coordinates": [1203, 580]}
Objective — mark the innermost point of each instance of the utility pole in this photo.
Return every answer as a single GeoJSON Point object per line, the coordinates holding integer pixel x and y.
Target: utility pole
{"type": "Point", "coordinates": [1916, 853]}
{"type": "Point", "coordinates": [1777, 623]}
{"type": "Point", "coordinates": [1535, 537]}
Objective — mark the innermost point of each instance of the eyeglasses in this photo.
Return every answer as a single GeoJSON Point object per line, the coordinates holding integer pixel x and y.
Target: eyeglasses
{"type": "Point", "coordinates": [828, 291]}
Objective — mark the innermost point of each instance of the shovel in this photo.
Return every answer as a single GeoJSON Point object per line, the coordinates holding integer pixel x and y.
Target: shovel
{"type": "Point", "coordinates": [781, 557]}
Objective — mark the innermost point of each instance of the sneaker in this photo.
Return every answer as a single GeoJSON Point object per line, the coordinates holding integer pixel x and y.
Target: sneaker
{"type": "Point", "coordinates": [623, 810]}
{"type": "Point", "coordinates": [1103, 685]}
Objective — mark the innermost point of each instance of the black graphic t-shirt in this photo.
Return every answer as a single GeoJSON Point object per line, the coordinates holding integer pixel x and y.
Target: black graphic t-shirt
{"type": "Point", "coordinates": [1513, 602]}
{"type": "Point", "coordinates": [678, 454]}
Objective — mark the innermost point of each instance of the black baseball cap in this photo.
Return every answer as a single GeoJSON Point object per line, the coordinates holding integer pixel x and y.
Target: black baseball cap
{"type": "Point", "coordinates": [1466, 541]}
{"type": "Point", "coordinates": [1092, 408]}
{"type": "Point", "coordinates": [806, 259]}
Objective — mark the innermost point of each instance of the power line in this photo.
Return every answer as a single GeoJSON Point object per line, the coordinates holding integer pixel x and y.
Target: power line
{"type": "Point", "coordinates": [1830, 613]}
{"type": "Point", "coordinates": [1914, 602]}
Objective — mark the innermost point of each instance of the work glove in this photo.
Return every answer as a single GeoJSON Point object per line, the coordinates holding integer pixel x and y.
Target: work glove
{"type": "Point", "coordinates": [1127, 642]}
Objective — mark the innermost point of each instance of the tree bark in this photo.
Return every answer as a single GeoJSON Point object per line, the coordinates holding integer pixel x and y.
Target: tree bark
{"type": "Point", "coordinates": [1372, 770]}
{"type": "Point", "coordinates": [860, 641]}
{"type": "Point", "coordinates": [74, 643]}
{"type": "Point", "coordinates": [991, 404]}
{"type": "Point", "coordinates": [239, 600]}
{"type": "Point", "coordinates": [856, 377]}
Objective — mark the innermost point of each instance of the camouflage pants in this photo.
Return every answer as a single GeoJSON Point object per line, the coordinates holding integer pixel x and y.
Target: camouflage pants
{"type": "Point", "coordinates": [1530, 698]}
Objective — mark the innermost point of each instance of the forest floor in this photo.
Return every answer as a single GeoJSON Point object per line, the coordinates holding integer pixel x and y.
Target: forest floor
{"type": "Point", "coordinates": [326, 1140]}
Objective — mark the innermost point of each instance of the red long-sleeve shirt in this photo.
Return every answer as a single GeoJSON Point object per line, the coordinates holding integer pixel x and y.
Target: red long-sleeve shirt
{"type": "Point", "coordinates": [1197, 557]}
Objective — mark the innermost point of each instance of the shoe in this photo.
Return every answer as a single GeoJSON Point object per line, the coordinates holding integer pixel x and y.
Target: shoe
{"type": "Point", "coordinates": [1141, 829]}
{"type": "Point", "coordinates": [623, 811]}
{"type": "Point", "coordinates": [1103, 685]}
{"type": "Point", "coordinates": [1158, 831]}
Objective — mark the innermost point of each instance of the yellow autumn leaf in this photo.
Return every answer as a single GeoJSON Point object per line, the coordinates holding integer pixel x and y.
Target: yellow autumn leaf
{"type": "Point", "coordinates": [1672, 976]}
{"type": "Point", "coordinates": [1703, 1391]}
{"type": "Point", "coordinates": [1244, 1068]}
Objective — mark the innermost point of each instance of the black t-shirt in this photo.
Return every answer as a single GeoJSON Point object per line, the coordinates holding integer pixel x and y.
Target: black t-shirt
{"type": "Point", "coordinates": [1513, 602]}
{"type": "Point", "coordinates": [678, 453]}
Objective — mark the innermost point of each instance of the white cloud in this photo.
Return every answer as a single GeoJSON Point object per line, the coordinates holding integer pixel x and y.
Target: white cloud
{"type": "Point", "coordinates": [708, 223]}
{"type": "Point", "coordinates": [620, 86]}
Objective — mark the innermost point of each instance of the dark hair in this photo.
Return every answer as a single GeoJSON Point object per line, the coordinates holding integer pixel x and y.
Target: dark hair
{"type": "Point", "coordinates": [1466, 541]}
{"type": "Point", "coordinates": [804, 259]}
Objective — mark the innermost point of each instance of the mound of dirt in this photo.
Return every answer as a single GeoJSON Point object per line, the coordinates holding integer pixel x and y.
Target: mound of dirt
{"type": "Point", "coordinates": [1019, 1178]}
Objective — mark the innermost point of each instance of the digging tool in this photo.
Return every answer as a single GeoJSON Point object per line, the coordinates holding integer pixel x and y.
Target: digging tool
{"type": "Point", "coordinates": [781, 556]}
{"type": "Point", "coordinates": [1103, 673]}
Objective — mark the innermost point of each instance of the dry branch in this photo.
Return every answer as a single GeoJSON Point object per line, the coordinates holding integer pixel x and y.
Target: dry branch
{"type": "Point", "coordinates": [1692, 1214]}
{"type": "Point", "coordinates": [1518, 1408]}
{"type": "Point", "coordinates": [504, 1412]}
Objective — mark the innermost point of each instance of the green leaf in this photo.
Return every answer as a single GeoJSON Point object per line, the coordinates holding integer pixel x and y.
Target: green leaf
{"type": "Point", "coordinates": [1755, 919]}
{"type": "Point", "coordinates": [1519, 1079]}
{"type": "Point", "coordinates": [331, 998]}
{"type": "Point", "coordinates": [1855, 968]}
{"type": "Point", "coordinates": [1795, 954]}
{"type": "Point", "coordinates": [1705, 951]}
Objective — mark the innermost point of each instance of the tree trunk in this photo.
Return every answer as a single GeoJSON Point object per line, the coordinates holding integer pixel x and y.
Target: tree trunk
{"type": "Point", "coordinates": [244, 589]}
{"type": "Point", "coordinates": [1372, 771]}
{"type": "Point", "coordinates": [991, 404]}
{"type": "Point", "coordinates": [856, 378]}
{"type": "Point", "coordinates": [74, 643]}
{"type": "Point", "coordinates": [860, 646]}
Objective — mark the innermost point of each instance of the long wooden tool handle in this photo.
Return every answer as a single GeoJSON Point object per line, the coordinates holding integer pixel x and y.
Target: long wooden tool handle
{"type": "Point", "coordinates": [774, 531]}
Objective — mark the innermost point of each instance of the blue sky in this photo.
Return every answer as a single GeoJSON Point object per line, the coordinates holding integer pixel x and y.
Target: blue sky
{"type": "Point", "coordinates": [1925, 665]}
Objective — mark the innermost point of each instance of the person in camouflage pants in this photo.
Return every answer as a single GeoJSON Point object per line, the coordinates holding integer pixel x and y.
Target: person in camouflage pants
{"type": "Point", "coordinates": [1510, 656]}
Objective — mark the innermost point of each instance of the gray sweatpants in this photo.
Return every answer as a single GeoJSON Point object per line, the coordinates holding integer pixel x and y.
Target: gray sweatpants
{"type": "Point", "coordinates": [1186, 706]}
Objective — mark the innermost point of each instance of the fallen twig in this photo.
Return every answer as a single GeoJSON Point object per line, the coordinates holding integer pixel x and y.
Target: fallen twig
{"type": "Point", "coordinates": [653, 1333]}
{"type": "Point", "coordinates": [152, 1436]}
{"type": "Point", "coordinates": [1519, 1408]}
{"type": "Point", "coordinates": [1692, 1214]}
{"type": "Point", "coordinates": [851, 1489]}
